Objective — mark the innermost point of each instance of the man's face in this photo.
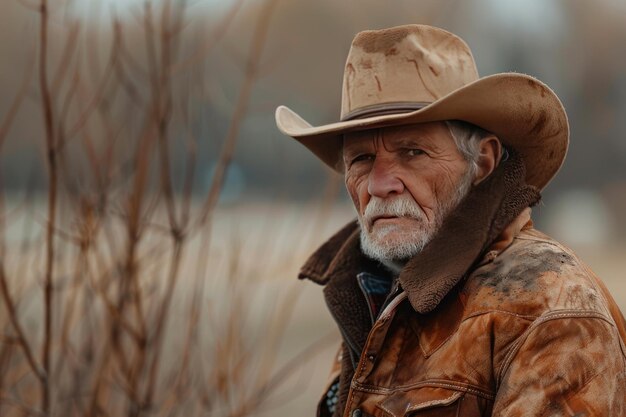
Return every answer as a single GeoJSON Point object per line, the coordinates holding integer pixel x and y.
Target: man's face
{"type": "Point", "coordinates": [403, 182]}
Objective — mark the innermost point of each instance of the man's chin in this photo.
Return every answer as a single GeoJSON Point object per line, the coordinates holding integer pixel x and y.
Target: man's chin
{"type": "Point", "coordinates": [391, 244]}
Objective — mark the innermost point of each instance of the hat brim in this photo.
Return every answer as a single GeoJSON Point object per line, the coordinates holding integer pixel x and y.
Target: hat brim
{"type": "Point", "coordinates": [520, 110]}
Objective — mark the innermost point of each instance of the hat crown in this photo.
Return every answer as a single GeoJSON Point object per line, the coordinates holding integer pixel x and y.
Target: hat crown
{"type": "Point", "coordinates": [403, 68]}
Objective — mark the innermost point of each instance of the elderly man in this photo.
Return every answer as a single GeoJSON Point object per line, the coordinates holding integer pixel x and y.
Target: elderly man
{"type": "Point", "coordinates": [448, 301]}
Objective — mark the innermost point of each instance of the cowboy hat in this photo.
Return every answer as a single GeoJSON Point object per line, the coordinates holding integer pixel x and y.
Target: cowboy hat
{"type": "Point", "coordinates": [416, 74]}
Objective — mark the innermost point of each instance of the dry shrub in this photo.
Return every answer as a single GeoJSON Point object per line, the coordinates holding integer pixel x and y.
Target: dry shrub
{"type": "Point", "coordinates": [115, 298]}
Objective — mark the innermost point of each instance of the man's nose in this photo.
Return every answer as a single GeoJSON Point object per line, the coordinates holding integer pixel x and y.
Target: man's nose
{"type": "Point", "coordinates": [383, 180]}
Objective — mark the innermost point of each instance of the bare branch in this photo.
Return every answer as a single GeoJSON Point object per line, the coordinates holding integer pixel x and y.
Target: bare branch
{"type": "Point", "coordinates": [212, 40]}
{"type": "Point", "coordinates": [96, 98]}
{"type": "Point", "coordinates": [21, 336]}
{"type": "Point", "coordinates": [226, 155]}
{"type": "Point", "coordinates": [17, 101]}
{"type": "Point", "coordinates": [66, 58]}
{"type": "Point", "coordinates": [52, 202]}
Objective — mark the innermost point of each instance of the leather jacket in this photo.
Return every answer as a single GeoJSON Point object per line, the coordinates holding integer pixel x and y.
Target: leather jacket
{"type": "Point", "coordinates": [530, 331]}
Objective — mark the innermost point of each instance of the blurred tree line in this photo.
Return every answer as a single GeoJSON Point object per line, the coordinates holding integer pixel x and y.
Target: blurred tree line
{"type": "Point", "coordinates": [572, 45]}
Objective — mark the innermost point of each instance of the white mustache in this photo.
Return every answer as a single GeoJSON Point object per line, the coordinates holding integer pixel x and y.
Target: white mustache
{"type": "Point", "coordinates": [401, 206]}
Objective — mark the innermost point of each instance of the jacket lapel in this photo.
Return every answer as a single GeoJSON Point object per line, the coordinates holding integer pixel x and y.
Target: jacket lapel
{"type": "Point", "coordinates": [336, 265]}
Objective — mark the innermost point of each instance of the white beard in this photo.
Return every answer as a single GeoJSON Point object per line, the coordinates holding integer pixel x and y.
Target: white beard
{"type": "Point", "coordinates": [381, 245]}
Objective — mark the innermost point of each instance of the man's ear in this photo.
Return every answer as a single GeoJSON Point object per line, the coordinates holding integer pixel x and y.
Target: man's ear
{"type": "Point", "coordinates": [490, 151]}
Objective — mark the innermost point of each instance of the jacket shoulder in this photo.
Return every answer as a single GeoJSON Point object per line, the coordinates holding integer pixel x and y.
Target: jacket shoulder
{"type": "Point", "coordinates": [534, 276]}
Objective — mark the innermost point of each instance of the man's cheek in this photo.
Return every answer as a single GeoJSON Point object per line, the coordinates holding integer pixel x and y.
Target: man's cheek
{"type": "Point", "coordinates": [351, 187]}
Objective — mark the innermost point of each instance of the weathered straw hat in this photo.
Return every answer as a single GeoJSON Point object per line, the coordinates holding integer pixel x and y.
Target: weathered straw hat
{"type": "Point", "coordinates": [415, 74]}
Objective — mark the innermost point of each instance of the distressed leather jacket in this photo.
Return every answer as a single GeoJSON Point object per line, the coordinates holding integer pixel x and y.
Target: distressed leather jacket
{"type": "Point", "coordinates": [530, 331]}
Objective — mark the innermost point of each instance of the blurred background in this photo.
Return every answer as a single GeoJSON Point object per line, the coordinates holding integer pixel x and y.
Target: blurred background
{"type": "Point", "coordinates": [154, 219]}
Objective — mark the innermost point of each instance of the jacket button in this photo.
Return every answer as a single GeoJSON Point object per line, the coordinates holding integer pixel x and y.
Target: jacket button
{"type": "Point", "coordinates": [357, 413]}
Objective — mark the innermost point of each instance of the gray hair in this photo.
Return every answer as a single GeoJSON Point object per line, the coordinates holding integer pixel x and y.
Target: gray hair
{"type": "Point", "coordinates": [467, 139]}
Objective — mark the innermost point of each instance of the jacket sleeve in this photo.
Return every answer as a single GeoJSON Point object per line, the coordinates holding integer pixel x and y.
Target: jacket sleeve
{"type": "Point", "coordinates": [569, 363]}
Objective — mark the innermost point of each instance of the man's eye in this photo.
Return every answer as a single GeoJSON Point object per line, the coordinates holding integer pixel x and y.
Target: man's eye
{"type": "Point", "coordinates": [362, 157]}
{"type": "Point", "coordinates": [414, 152]}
